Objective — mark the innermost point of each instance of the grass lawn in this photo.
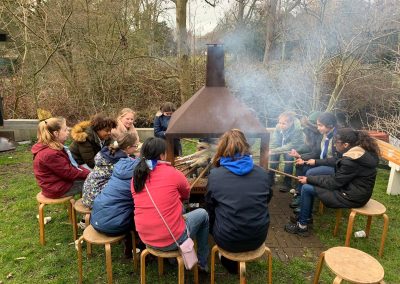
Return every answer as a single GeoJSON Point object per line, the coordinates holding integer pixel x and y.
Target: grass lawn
{"type": "Point", "coordinates": [24, 260]}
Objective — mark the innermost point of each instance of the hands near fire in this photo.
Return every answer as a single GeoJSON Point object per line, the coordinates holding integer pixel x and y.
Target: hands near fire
{"type": "Point", "coordinates": [302, 179]}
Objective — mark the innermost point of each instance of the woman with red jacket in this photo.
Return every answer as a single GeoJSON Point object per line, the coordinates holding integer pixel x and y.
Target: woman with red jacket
{"type": "Point", "coordinates": [56, 172]}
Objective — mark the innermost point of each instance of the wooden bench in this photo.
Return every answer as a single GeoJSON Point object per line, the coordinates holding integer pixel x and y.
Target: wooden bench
{"type": "Point", "coordinates": [391, 154]}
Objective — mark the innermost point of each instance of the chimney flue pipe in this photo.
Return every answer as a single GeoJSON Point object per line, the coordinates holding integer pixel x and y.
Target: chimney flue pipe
{"type": "Point", "coordinates": [215, 76]}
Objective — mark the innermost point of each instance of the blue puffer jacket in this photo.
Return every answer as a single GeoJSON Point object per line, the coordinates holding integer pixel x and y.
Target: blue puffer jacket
{"type": "Point", "coordinates": [113, 207]}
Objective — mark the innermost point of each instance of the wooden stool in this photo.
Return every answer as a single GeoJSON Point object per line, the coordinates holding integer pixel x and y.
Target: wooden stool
{"type": "Point", "coordinates": [160, 256]}
{"type": "Point", "coordinates": [351, 265]}
{"type": "Point", "coordinates": [77, 206]}
{"type": "Point", "coordinates": [242, 258]}
{"type": "Point", "coordinates": [46, 201]}
{"type": "Point", "coordinates": [372, 208]}
{"type": "Point", "coordinates": [90, 235]}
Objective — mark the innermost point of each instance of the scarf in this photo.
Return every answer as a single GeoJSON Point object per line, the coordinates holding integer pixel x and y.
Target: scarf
{"type": "Point", "coordinates": [325, 146]}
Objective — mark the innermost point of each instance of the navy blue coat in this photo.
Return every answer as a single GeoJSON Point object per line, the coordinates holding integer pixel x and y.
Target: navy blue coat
{"type": "Point", "coordinates": [237, 208]}
{"type": "Point", "coordinates": [112, 209]}
{"type": "Point", "coordinates": [160, 126]}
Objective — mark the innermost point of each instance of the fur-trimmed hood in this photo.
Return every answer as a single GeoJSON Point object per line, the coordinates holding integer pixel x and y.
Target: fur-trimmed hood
{"type": "Point", "coordinates": [78, 132]}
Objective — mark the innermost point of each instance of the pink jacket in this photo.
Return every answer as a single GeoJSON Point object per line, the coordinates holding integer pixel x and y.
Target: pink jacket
{"type": "Point", "coordinates": [53, 171]}
{"type": "Point", "coordinates": [168, 187]}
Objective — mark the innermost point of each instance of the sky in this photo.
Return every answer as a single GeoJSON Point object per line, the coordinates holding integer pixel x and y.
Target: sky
{"type": "Point", "coordinates": [203, 17]}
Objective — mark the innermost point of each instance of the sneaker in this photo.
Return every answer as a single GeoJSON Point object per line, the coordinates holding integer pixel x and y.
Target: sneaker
{"type": "Point", "coordinates": [295, 218]}
{"type": "Point", "coordinates": [295, 229]}
{"type": "Point", "coordinates": [82, 225]}
{"type": "Point", "coordinates": [295, 202]}
{"type": "Point", "coordinates": [284, 188]}
{"type": "Point", "coordinates": [202, 269]}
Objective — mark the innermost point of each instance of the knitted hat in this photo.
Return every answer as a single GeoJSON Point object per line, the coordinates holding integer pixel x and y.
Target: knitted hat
{"type": "Point", "coordinates": [312, 118]}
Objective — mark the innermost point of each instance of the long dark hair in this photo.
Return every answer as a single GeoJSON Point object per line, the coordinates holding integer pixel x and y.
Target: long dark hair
{"type": "Point", "coordinates": [357, 138]}
{"type": "Point", "coordinates": [152, 148]}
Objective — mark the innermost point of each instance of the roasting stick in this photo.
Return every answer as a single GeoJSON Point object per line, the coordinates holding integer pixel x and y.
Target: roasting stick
{"type": "Point", "coordinates": [284, 162]}
{"type": "Point", "coordinates": [282, 173]}
{"type": "Point", "coordinates": [200, 176]}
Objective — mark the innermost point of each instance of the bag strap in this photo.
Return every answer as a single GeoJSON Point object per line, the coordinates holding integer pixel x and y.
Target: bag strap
{"type": "Point", "coordinates": [159, 213]}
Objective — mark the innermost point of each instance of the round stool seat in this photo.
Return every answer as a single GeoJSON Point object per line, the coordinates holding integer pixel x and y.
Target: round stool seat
{"type": "Point", "coordinates": [79, 207]}
{"type": "Point", "coordinates": [372, 208]}
{"type": "Point", "coordinates": [45, 200]}
{"type": "Point", "coordinates": [163, 254]}
{"type": "Point", "coordinates": [243, 256]}
{"type": "Point", "coordinates": [94, 237]}
{"type": "Point", "coordinates": [354, 265]}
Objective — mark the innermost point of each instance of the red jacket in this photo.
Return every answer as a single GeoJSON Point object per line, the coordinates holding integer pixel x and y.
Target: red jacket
{"type": "Point", "coordinates": [168, 187]}
{"type": "Point", "coordinates": [53, 171]}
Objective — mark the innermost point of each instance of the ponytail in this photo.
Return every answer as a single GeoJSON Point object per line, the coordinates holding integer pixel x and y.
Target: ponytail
{"type": "Point", "coordinates": [46, 129]}
{"type": "Point", "coordinates": [367, 142]}
{"type": "Point", "coordinates": [123, 141]}
{"type": "Point", "coordinates": [151, 149]}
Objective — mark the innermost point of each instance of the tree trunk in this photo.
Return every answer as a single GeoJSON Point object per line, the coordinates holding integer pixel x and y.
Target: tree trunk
{"type": "Point", "coordinates": [183, 51]}
{"type": "Point", "coordinates": [270, 28]}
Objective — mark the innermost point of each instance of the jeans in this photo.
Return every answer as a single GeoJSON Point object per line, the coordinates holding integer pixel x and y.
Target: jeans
{"type": "Point", "coordinates": [288, 168]}
{"type": "Point", "coordinates": [307, 171]}
{"type": "Point", "coordinates": [75, 189]}
{"type": "Point", "coordinates": [197, 224]}
{"type": "Point", "coordinates": [306, 203]}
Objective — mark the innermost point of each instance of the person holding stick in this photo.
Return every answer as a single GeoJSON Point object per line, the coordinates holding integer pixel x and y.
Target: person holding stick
{"type": "Point", "coordinates": [287, 135]}
{"type": "Point", "coordinates": [351, 184]}
{"type": "Point", "coordinates": [236, 200]}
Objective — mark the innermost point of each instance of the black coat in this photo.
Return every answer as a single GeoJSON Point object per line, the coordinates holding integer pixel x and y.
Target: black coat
{"type": "Point", "coordinates": [160, 127]}
{"type": "Point", "coordinates": [353, 181]}
{"type": "Point", "coordinates": [237, 208]}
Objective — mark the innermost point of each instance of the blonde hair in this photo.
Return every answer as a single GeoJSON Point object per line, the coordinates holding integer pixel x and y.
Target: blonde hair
{"type": "Point", "coordinates": [124, 112]}
{"type": "Point", "coordinates": [46, 129]}
{"type": "Point", "coordinates": [231, 142]}
{"type": "Point", "coordinates": [123, 141]}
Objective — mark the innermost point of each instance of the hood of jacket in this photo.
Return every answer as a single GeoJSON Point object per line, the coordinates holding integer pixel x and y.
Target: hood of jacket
{"type": "Point", "coordinates": [239, 165]}
{"type": "Point", "coordinates": [38, 147]}
{"type": "Point", "coordinates": [123, 169]}
{"type": "Point", "coordinates": [362, 157]}
{"type": "Point", "coordinates": [78, 132]}
{"type": "Point", "coordinates": [105, 152]}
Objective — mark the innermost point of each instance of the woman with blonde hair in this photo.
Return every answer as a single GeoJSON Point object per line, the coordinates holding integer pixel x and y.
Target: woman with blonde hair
{"type": "Point", "coordinates": [125, 119]}
{"type": "Point", "coordinates": [236, 200]}
{"type": "Point", "coordinates": [56, 171]}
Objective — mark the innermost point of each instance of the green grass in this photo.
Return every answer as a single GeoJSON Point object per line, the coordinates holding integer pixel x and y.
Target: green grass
{"type": "Point", "coordinates": [24, 260]}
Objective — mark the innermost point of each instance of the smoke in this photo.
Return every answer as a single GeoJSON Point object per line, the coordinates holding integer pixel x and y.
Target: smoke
{"type": "Point", "coordinates": [316, 48]}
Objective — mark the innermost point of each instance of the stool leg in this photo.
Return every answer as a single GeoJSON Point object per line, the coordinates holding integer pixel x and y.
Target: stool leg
{"type": "Point", "coordinates": [69, 206]}
{"type": "Point", "coordinates": [321, 208]}
{"type": "Point", "coordinates": [213, 253]}
{"type": "Point", "coordinates": [337, 280]}
{"type": "Point", "coordinates": [349, 228]}
{"type": "Point", "coordinates": [41, 224]}
{"type": "Point", "coordinates": [87, 223]}
{"type": "Point", "coordinates": [108, 263]}
{"type": "Point", "coordinates": [195, 270]}
{"type": "Point", "coordinates": [79, 244]}
{"type": "Point", "coordinates": [269, 254]}
{"type": "Point", "coordinates": [73, 216]}
{"type": "Point", "coordinates": [338, 219]}
{"type": "Point", "coordinates": [143, 266]}
{"type": "Point", "coordinates": [319, 267]}
{"type": "Point", "coordinates": [160, 261]}
{"type": "Point", "coordinates": [384, 233]}
{"type": "Point", "coordinates": [242, 272]}
{"type": "Point", "coordinates": [181, 270]}
{"type": "Point", "coordinates": [368, 226]}
{"type": "Point", "coordinates": [135, 254]}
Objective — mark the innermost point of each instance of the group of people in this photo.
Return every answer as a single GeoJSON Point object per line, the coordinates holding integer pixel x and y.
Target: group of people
{"type": "Point", "coordinates": [128, 190]}
{"type": "Point", "coordinates": [337, 165]}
